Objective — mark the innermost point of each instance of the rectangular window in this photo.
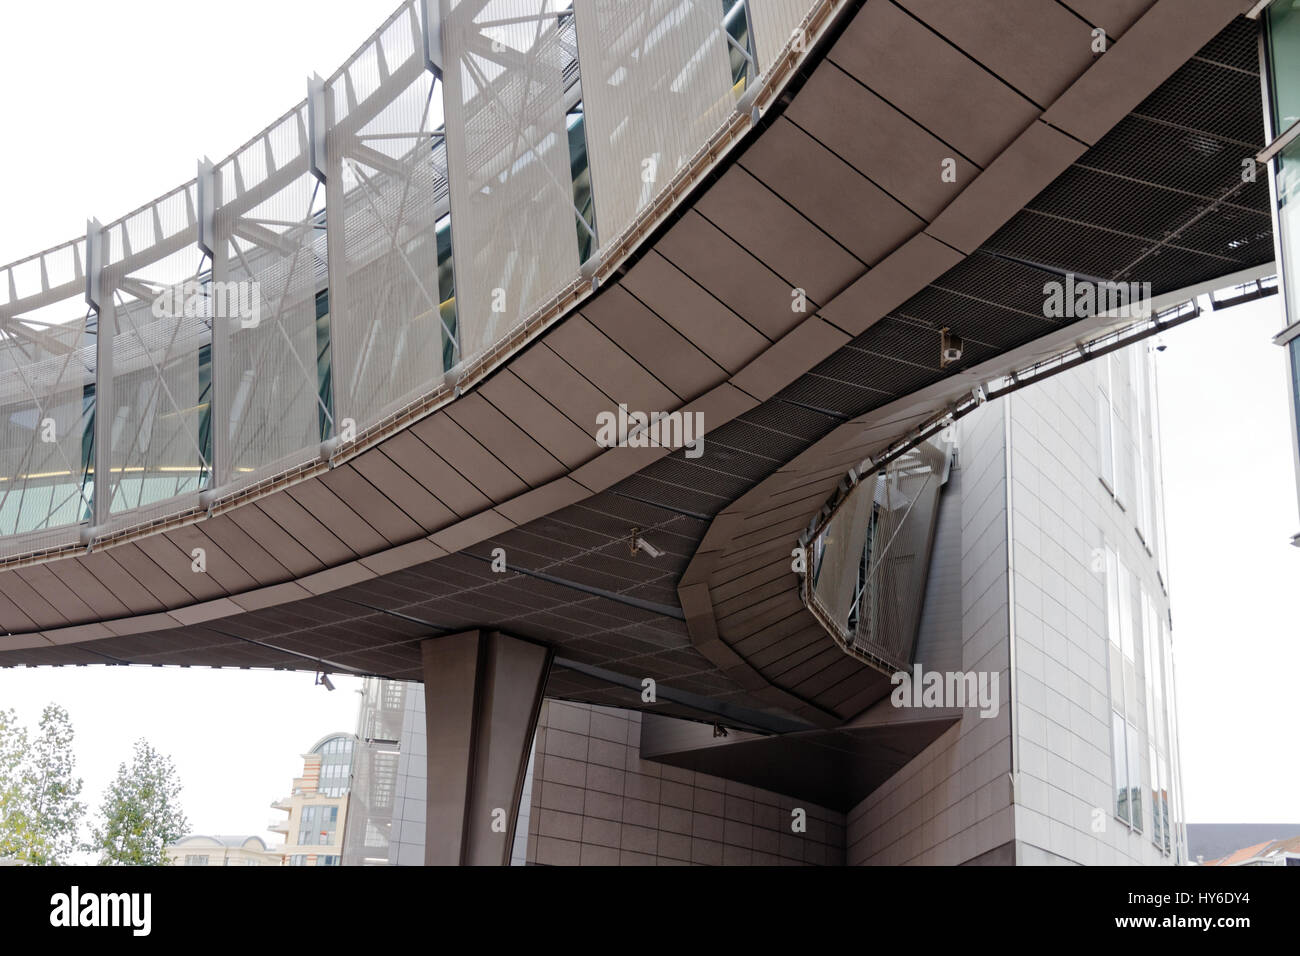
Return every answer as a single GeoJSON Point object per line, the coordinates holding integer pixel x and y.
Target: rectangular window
{"type": "Point", "coordinates": [308, 825]}
{"type": "Point", "coordinates": [1157, 829]}
{"type": "Point", "coordinates": [1284, 64]}
{"type": "Point", "coordinates": [1119, 766]}
{"type": "Point", "coordinates": [1294, 348]}
{"type": "Point", "coordinates": [1164, 801]}
{"type": "Point", "coordinates": [1142, 458]}
{"type": "Point", "coordinates": [1125, 591]}
{"type": "Point", "coordinates": [1105, 441]}
{"type": "Point", "coordinates": [1112, 596]}
{"type": "Point", "coordinates": [1134, 777]}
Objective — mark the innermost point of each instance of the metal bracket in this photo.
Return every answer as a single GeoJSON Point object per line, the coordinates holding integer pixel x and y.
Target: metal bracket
{"type": "Point", "coordinates": [431, 28]}
{"type": "Point", "coordinates": [94, 261]}
{"type": "Point", "coordinates": [316, 126]}
{"type": "Point", "coordinates": [207, 211]}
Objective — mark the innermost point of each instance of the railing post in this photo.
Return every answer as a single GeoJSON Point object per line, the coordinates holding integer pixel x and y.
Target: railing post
{"type": "Point", "coordinates": [100, 298]}
{"type": "Point", "coordinates": [214, 244]}
{"type": "Point", "coordinates": [325, 163]}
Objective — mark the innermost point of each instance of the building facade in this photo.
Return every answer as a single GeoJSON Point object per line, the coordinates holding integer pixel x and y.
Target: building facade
{"type": "Point", "coordinates": [317, 806]}
{"type": "Point", "coordinates": [1042, 541]}
{"type": "Point", "coordinates": [200, 850]}
{"type": "Point", "coordinates": [1053, 534]}
{"type": "Point", "coordinates": [1280, 65]}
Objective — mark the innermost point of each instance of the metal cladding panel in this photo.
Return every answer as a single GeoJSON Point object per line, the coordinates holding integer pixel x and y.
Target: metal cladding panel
{"type": "Point", "coordinates": [392, 330]}
{"type": "Point", "coordinates": [274, 255]}
{"type": "Point", "coordinates": [775, 23]}
{"type": "Point", "coordinates": [656, 86]}
{"type": "Point", "coordinates": [513, 215]}
{"type": "Point", "coordinates": [45, 420]}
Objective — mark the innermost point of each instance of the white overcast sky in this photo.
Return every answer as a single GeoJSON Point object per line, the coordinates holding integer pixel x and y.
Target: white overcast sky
{"type": "Point", "coordinates": [110, 104]}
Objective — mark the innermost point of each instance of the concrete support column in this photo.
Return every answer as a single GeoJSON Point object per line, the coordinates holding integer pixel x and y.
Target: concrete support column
{"type": "Point", "coordinates": [482, 691]}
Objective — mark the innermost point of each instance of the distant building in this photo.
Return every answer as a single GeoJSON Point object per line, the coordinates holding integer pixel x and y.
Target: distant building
{"type": "Point", "coordinates": [385, 825]}
{"type": "Point", "coordinates": [317, 807]}
{"type": "Point", "coordinates": [200, 850]}
{"type": "Point", "coordinates": [1269, 853]}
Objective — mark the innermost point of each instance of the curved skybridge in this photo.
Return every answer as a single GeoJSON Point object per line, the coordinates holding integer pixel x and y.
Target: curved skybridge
{"type": "Point", "coordinates": [336, 403]}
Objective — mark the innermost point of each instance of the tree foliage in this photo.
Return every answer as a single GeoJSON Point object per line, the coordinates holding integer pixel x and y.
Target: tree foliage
{"type": "Point", "coordinates": [141, 813]}
{"type": "Point", "coordinates": [40, 809]}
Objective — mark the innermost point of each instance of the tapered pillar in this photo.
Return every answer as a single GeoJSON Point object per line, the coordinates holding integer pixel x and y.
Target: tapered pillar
{"type": "Point", "coordinates": [482, 694]}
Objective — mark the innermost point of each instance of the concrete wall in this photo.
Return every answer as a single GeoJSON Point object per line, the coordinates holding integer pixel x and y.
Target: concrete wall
{"type": "Point", "coordinates": [951, 804]}
{"type": "Point", "coordinates": [1062, 516]}
{"type": "Point", "coordinates": [595, 801]}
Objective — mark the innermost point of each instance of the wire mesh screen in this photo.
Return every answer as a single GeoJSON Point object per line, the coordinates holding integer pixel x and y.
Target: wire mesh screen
{"type": "Point", "coordinates": [394, 329]}
{"type": "Point", "coordinates": [160, 397]}
{"type": "Point", "coordinates": [508, 162]}
{"type": "Point", "coordinates": [656, 86]}
{"type": "Point", "coordinates": [271, 320]}
{"type": "Point", "coordinates": [774, 24]}
{"type": "Point", "coordinates": [47, 367]}
{"type": "Point", "coordinates": [873, 555]}
{"type": "Point", "coordinates": [228, 360]}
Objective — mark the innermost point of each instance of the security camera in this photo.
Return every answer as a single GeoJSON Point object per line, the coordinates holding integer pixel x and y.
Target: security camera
{"type": "Point", "coordinates": [637, 543]}
{"type": "Point", "coordinates": [641, 544]}
{"type": "Point", "coordinates": [950, 348]}
{"type": "Point", "coordinates": [324, 681]}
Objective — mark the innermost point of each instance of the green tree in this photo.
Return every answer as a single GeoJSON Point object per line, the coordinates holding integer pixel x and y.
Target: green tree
{"type": "Point", "coordinates": [39, 807]}
{"type": "Point", "coordinates": [141, 812]}
{"type": "Point", "coordinates": [14, 835]}
{"type": "Point", "coordinates": [52, 790]}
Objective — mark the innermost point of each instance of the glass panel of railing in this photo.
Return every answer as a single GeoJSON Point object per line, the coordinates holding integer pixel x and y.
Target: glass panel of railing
{"type": "Point", "coordinates": [159, 399]}
{"type": "Point", "coordinates": [657, 84]}
{"type": "Point", "coordinates": [775, 23]}
{"type": "Point", "coordinates": [510, 79]}
{"type": "Point", "coordinates": [394, 326]}
{"type": "Point", "coordinates": [158, 402]}
{"type": "Point", "coordinates": [47, 367]}
{"type": "Point", "coordinates": [269, 263]}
